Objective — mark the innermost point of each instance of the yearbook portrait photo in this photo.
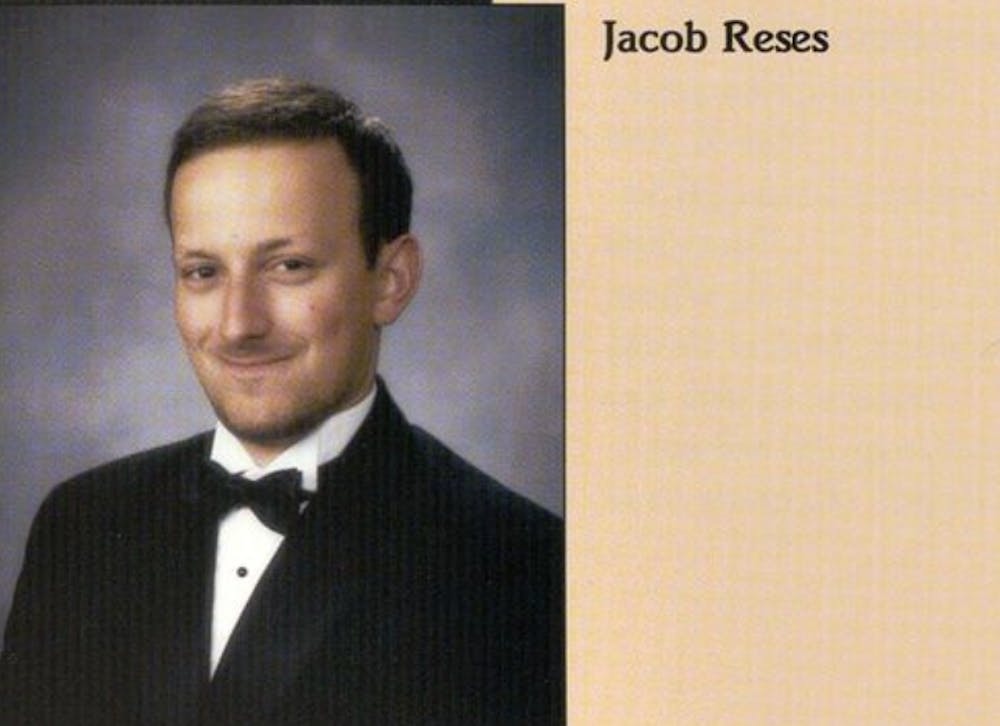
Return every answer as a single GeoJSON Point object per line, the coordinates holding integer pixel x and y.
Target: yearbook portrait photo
{"type": "Point", "coordinates": [284, 381]}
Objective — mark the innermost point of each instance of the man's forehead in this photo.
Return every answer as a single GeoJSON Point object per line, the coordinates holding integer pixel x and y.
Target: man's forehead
{"type": "Point", "coordinates": [273, 184]}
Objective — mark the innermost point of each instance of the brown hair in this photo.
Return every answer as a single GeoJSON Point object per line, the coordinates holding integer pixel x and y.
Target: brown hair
{"type": "Point", "coordinates": [282, 109]}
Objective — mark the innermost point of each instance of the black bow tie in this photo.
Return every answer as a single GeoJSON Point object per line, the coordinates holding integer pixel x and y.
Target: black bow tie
{"type": "Point", "coordinates": [275, 498]}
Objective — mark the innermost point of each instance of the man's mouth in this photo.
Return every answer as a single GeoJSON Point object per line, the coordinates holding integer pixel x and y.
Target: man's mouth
{"type": "Point", "coordinates": [252, 365]}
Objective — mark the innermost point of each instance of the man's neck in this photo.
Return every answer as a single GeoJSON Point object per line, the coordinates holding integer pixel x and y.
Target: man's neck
{"type": "Point", "coordinates": [322, 444]}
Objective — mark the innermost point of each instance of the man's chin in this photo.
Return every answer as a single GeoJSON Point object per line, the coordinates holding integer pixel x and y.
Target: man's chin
{"type": "Point", "coordinates": [271, 432]}
{"type": "Point", "coordinates": [272, 422]}
{"type": "Point", "coordinates": [263, 433]}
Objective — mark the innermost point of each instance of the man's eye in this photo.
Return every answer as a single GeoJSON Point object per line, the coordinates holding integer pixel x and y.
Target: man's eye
{"type": "Point", "coordinates": [201, 272]}
{"type": "Point", "coordinates": [292, 265]}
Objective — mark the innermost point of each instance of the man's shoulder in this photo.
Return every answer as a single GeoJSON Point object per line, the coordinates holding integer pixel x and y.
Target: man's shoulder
{"type": "Point", "coordinates": [441, 483]}
{"type": "Point", "coordinates": [122, 481]}
{"type": "Point", "coordinates": [470, 496]}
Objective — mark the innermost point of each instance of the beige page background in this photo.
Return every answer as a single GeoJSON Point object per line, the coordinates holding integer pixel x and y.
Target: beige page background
{"type": "Point", "coordinates": [784, 369]}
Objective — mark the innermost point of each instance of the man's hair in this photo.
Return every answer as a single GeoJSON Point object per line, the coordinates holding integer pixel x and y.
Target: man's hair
{"type": "Point", "coordinates": [276, 109]}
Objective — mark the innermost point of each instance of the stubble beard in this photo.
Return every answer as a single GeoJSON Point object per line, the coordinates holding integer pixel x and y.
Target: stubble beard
{"type": "Point", "coordinates": [266, 425]}
{"type": "Point", "coordinates": [273, 415]}
{"type": "Point", "coordinates": [273, 420]}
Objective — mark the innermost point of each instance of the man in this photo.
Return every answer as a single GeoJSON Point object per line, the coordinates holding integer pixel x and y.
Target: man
{"type": "Point", "coordinates": [357, 571]}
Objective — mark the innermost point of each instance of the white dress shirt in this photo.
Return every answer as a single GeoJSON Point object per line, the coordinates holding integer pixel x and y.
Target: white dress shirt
{"type": "Point", "coordinates": [245, 545]}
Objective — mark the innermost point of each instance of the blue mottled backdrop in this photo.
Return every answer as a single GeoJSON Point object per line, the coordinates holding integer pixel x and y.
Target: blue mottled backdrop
{"type": "Point", "coordinates": [91, 365]}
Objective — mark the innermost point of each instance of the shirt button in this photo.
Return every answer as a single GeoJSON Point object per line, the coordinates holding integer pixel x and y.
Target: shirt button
{"type": "Point", "coordinates": [241, 571]}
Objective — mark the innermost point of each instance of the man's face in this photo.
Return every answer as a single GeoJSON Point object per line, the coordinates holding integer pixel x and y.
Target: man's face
{"type": "Point", "coordinates": [274, 301]}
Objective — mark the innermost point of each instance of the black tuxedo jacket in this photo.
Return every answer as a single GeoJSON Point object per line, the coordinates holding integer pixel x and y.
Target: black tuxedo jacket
{"type": "Point", "coordinates": [413, 590]}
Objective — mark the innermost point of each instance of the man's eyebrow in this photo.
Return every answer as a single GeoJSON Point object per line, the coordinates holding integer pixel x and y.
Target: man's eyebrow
{"type": "Point", "coordinates": [275, 243]}
{"type": "Point", "coordinates": [181, 253]}
{"type": "Point", "coordinates": [264, 246]}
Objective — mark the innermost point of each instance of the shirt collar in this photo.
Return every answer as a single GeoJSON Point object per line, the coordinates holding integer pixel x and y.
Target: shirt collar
{"type": "Point", "coordinates": [322, 444]}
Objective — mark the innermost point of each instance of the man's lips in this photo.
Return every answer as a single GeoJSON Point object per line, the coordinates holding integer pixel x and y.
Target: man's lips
{"type": "Point", "coordinates": [251, 364]}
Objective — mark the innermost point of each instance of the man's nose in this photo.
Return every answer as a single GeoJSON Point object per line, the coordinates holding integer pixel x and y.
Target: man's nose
{"type": "Point", "coordinates": [245, 311]}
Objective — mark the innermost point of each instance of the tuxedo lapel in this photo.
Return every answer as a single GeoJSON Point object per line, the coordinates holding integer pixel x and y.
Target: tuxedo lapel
{"type": "Point", "coordinates": [178, 557]}
{"type": "Point", "coordinates": [310, 602]}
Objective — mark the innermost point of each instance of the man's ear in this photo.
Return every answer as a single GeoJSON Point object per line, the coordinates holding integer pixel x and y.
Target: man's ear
{"type": "Point", "coordinates": [397, 276]}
